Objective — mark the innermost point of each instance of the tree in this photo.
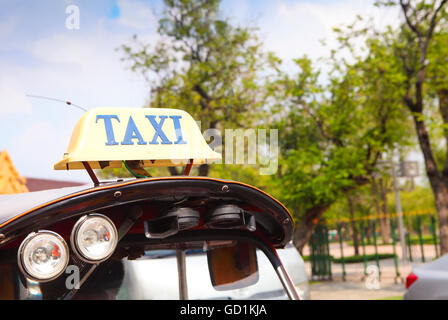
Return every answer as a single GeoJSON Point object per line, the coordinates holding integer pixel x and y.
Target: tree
{"type": "Point", "coordinates": [379, 191]}
{"type": "Point", "coordinates": [204, 65]}
{"type": "Point", "coordinates": [332, 135]}
{"type": "Point", "coordinates": [418, 49]}
{"type": "Point", "coordinates": [419, 46]}
{"type": "Point", "coordinates": [354, 227]}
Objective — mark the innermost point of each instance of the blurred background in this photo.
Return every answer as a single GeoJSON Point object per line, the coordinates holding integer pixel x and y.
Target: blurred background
{"type": "Point", "coordinates": [358, 91]}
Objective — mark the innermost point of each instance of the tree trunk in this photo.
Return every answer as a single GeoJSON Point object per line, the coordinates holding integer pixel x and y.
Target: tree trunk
{"type": "Point", "coordinates": [441, 195]}
{"type": "Point", "coordinates": [381, 208]}
{"type": "Point", "coordinates": [377, 201]}
{"type": "Point", "coordinates": [303, 231]}
{"type": "Point", "coordinates": [438, 182]}
{"type": "Point", "coordinates": [355, 232]}
{"type": "Point", "coordinates": [203, 169]}
{"type": "Point", "coordinates": [442, 213]}
{"type": "Point", "coordinates": [173, 171]}
{"type": "Point", "coordinates": [437, 179]}
{"type": "Point", "coordinates": [384, 219]}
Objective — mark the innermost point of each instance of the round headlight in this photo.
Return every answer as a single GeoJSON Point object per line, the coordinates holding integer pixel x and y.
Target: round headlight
{"type": "Point", "coordinates": [43, 256]}
{"type": "Point", "coordinates": [94, 238]}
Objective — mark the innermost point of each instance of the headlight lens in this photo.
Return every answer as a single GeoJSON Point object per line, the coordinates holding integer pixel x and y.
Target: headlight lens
{"type": "Point", "coordinates": [43, 256]}
{"type": "Point", "coordinates": [94, 238]}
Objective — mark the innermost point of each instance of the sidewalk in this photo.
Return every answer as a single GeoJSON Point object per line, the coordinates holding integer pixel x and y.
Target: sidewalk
{"type": "Point", "coordinates": [349, 290]}
{"type": "Point", "coordinates": [354, 288]}
{"type": "Point", "coordinates": [349, 250]}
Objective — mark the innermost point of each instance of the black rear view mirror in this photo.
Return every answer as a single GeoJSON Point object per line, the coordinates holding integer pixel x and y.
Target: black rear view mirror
{"type": "Point", "coordinates": [233, 267]}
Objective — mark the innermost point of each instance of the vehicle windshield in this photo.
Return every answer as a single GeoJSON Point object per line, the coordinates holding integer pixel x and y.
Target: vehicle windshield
{"type": "Point", "coordinates": [154, 275]}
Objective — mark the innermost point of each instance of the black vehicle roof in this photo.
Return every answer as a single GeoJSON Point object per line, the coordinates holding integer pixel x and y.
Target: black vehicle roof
{"type": "Point", "coordinates": [13, 204]}
{"type": "Point", "coordinates": [37, 209]}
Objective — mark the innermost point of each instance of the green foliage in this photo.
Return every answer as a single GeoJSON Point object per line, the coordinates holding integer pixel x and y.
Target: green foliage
{"type": "Point", "coordinates": [332, 135]}
{"type": "Point", "coordinates": [204, 65]}
{"type": "Point", "coordinates": [363, 205]}
{"type": "Point", "coordinates": [357, 259]}
{"type": "Point", "coordinates": [392, 298]}
{"type": "Point", "coordinates": [248, 174]}
{"type": "Point", "coordinates": [360, 258]}
{"type": "Point", "coordinates": [124, 173]}
{"type": "Point", "coordinates": [417, 199]}
{"type": "Point", "coordinates": [426, 239]}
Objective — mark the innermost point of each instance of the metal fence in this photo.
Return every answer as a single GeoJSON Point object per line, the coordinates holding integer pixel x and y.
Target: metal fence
{"type": "Point", "coordinates": [363, 242]}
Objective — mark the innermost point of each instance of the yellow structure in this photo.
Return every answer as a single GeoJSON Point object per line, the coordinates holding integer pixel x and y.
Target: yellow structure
{"type": "Point", "coordinates": [10, 179]}
{"type": "Point", "coordinates": [104, 137]}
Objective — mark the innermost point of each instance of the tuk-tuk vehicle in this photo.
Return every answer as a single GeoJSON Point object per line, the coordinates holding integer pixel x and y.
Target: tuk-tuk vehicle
{"type": "Point", "coordinates": [97, 242]}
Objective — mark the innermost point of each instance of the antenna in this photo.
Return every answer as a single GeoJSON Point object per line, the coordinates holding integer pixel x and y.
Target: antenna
{"type": "Point", "coordinates": [58, 100]}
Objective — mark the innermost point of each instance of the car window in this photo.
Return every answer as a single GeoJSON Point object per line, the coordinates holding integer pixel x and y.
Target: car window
{"type": "Point", "coordinates": [155, 276]}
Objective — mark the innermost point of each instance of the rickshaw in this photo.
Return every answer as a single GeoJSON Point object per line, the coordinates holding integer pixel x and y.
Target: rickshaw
{"type": "Point", "coordinates": [90, 242]}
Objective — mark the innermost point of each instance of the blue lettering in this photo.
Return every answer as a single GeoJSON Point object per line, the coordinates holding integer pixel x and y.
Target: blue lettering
{"type": "Point", "coordinates": [178, 130]}
{"type": "Point", "coordinates": [132, 133]}
{"type": "Point", "coordinates": [109, 129]}
{"type": "Point", "coordinates": [158, 128]}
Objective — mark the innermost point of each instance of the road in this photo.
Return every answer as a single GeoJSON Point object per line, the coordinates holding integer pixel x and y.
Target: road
{"type": "Point", "coordinates": [355, 286]}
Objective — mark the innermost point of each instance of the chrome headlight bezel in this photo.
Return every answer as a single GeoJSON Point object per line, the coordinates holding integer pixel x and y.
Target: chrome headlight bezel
{"type": "Point", "coordinates": [74, 238]}
{"type": "Point", "coordinates": [20, 255]}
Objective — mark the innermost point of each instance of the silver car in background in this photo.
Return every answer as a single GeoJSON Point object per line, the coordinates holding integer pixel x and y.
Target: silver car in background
{"type": "Point", "coordinates": [428, 281]}
{"type": "Point", "coordinates": [294, 264]}
{"type": "Point", "coordinates": [139, 281]}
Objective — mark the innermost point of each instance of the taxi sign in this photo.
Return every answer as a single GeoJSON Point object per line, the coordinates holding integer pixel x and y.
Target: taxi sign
{"type": "Point", "coordinates": [104, 137]}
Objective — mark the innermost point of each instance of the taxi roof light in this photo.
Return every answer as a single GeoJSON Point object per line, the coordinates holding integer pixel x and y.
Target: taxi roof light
{"type": "Point", "coordinates": [105, 137]}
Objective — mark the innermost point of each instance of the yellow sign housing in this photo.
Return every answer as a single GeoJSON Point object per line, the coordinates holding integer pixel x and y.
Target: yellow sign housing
{"type": "Point", "coordinates": [104, 137]}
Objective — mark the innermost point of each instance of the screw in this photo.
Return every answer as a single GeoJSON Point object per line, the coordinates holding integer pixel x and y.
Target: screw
{"type": "Point", "coordinates": [117, 194]}
{"type": "Point", "coordinates": [286, 221]}
{"type": "Point", "coordinates": [225, 188]}
{"type": "Point", "coordinates": [2, 236]}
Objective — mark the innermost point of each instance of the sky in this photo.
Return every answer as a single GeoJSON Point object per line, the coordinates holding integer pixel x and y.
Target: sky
{"type": "Point", "coordinates": [39, 55]}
